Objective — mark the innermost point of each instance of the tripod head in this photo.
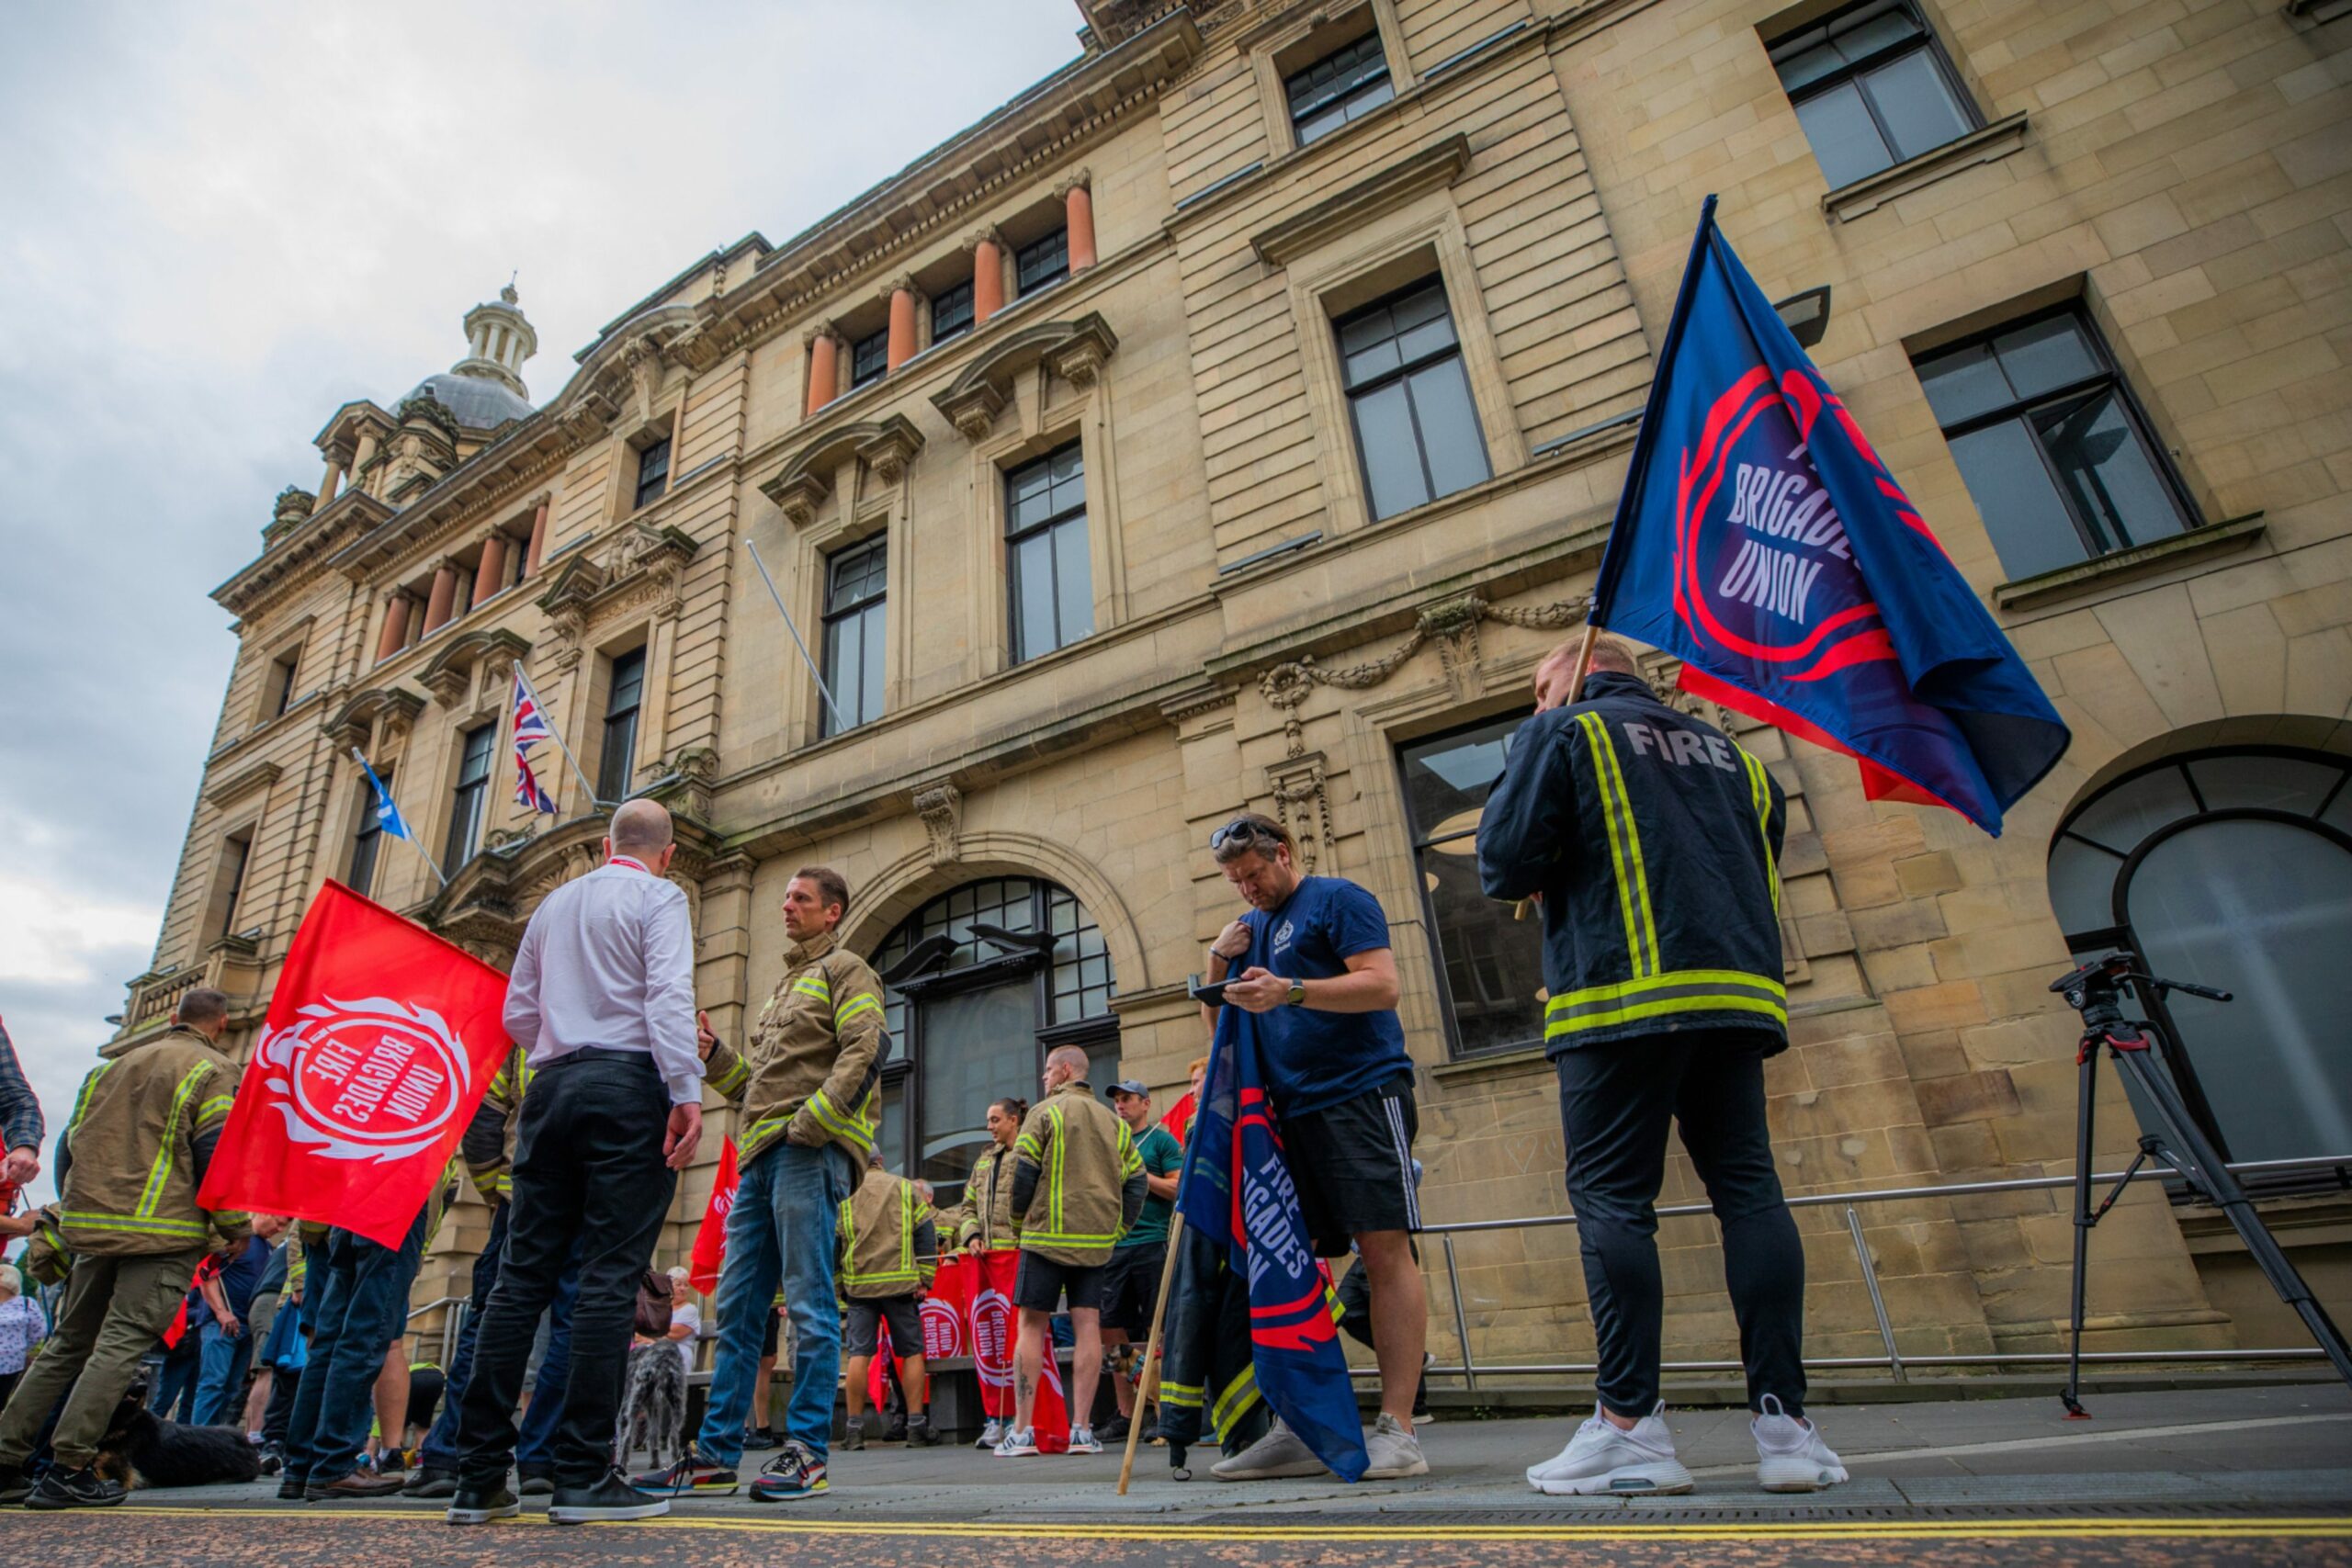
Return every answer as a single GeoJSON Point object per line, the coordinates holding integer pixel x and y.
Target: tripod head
{"type": "Point", "coordinates": [2095, 989]}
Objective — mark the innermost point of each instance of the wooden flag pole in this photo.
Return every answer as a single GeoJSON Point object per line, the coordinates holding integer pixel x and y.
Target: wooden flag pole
{"type": "Point", "coordinates": [1147, 1385]}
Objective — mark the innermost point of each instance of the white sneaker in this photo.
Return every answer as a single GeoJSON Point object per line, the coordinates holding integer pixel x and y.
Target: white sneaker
{"type": "Point", "coordinates": [991, 1433]}
{"type": "Point", "coordinates": [1279, 1455]}
{"type": "Point", "coordinates": [1602, 1457]}
{"type": "Point", "coordinates": [1790, 1455]}
{"type": "Point", "coordinates": [1393, 1452]}
{"type": "Point", "coordinates": [1019, 1443]}
{"type": "Point", "coordinates": [1081, 1440]}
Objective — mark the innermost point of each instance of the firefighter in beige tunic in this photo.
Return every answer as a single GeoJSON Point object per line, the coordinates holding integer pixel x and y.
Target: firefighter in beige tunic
{"type": "Point", "coordinates": [889, 1255]}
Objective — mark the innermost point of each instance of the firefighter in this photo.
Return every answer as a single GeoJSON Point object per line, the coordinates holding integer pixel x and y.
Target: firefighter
{"type": "Point", "coordinates": [1652, 843]}
{"type": "Point", "coordinates": [887, 1252]}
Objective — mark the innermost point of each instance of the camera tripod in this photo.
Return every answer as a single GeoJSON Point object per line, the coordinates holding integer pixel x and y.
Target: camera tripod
{"type": "Point", "coordinates": [2141, 1049]}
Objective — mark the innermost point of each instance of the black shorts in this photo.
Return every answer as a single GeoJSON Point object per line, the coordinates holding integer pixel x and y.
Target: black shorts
{"type": "Point", "coordinates": [1353, 1164]}
{"type": "Point", "coordinates": [1040, 1283]}
{"type": "Point", "coordinates": [768, 1334]}
{"type": "Point", "coordinates": [860, 1326]}
{"type": "Point", "coordinates": [1131, 1287]}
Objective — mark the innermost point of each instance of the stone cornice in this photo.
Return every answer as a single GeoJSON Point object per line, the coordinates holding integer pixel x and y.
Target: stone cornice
{"type": "Point", "coordinates": [1434, 166]}
{"type": "Point", "coordinates": [245, 782]}
{"type": "Point", "coordinates": [309, 545]}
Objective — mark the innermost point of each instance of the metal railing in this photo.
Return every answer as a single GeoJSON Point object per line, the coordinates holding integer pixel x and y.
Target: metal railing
{"type": "Point", "coordinates": [1893, 1360]}
{"type": "Point", "coordinates": [451, 1325]}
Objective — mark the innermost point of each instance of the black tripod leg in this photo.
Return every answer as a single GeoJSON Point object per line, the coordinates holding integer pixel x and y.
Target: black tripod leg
{"type": "Point", "coordinates": [2072, 1394]}
{"type": "Point", "coordinates": [2191, 1154]}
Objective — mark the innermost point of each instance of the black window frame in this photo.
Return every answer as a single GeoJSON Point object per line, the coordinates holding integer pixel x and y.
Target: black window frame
{"type": "Point", "coordinates": [469, 798]}
{"type": "Point", "coordinates": [1026, 259]}
{"type": "Point", "coordinates": [652, 473]}
{"type": "Point", "coordinates": [951, 312]}
{"type": "Point", "coordinates": [869, 358]}
{"type": "Point", "coordinates": [237, 861]}
{"type": "Point", "coordinates": [1818, 32]}
{"type": "Point", "coordinates": [1018, 646]}
{"type": "Point", "coordinates": [2109, 378]}
{"type": "Point", "coordinates": [1404, 370]}
{"type": "Point", "coordinates": [1355, 98]}
{"type": "Point", "coordinates": [837, 614]}
{"type": "Point", "coordinates": [620, 757]}
{"type": "Point", "coordinates": [367, 838]}
{"type": "Point", "coordinates": [284, 671]}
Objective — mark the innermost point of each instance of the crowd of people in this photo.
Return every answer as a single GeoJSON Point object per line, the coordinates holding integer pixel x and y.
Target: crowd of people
{"type": "Point", "coordinates": [1662, 974]}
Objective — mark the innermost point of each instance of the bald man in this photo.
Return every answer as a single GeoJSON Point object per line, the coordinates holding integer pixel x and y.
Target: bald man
{"type": "Point", "coordinates": [602, 1003]}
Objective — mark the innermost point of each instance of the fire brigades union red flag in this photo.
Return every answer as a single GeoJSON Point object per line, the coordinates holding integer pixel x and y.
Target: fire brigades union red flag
{"type": "Point", "coordinates": [1760, 540]}
{"type": "Point", "coordinates": [380, 1041]}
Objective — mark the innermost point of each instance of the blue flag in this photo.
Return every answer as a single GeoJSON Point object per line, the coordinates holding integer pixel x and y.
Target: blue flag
{"type": "Point", "coordinates": [388, 815]}
{"type": "Point", "coordinates": [1760, 540]}
{"type": "Point", "coordinates": [1236, 1190]}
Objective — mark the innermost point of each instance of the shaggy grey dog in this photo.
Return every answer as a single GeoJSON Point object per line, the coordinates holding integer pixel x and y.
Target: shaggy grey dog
{"type": "Point", "coordinates": [653, 1406]}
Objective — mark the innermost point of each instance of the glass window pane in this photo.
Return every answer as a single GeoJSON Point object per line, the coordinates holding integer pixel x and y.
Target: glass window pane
{"type": "Point", "coordinates": [1844, 140]}
{"type": "Point", "coordinates": [1392, 457]}
{"type": "Point", "coordinates": [1494, 966]}
{"type": "Point", "coordinates": [1371, 95]}
{"type": "Point", "coordinates": [1033, 600]}
{"type": "Point", "coordinates": [1434, 334]}
{"type": "Point", "coordinates": [977, 1046]}
{"type": "Point", "coordinates": [1964, 383]}
{"type": "Point", "coordinates": [1915, 103]}
{"type": "Point", "coordinates": [628, 681]}
{"type": "Point", "coordinates": [1865, 32]}
{"type": "Point", "coordinates": [2082, 885]}
{"type": "Point", "coordinates": [2030, 527]}
{"type": "Point", "coordinates": [2271, 783]}
{"type": "Point", "coordinates": [1447, 781]}
{"type": "Point", "coordinates": [871, 623]}
{"type": "Point", "coordinates": [1801, 68]}
{"type": "Point", "coordinates": [1074, 581]}
{"type": "Point", "coordinates": [2129, 813]}
{"type": "Point", "coordinates": [2044, 355]}
{"type": "Point", "coordinates": [2109, 472]}
{"type": "Point", "coordinates": [1368, 346]}
{"type": "Point", "coordinates": [844, 672]}
{"type": "Point", "coordinates": [1449, 425]}
{"type": "Point", "coordinates": [1322, 123]}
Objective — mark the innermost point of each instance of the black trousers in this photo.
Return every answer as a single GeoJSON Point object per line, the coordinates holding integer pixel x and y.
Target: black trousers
{"type": "Point", "coordinates": [1615, 1103]}
{"type": "Point", "coordinates": [588, 1172]}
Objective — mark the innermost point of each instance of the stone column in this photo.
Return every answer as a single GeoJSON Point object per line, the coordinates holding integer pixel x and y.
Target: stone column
{"type": "Point", "coordinates": [330, 484]}
{"type": "Point", "coordinates": [988, 275]}
{"type": "Point", "coordinates": [441, 606]}
{"type": "Point", "coordinates": [902, 323]}
{"type": "Point", "coordinates": [367, 453]}
{"type": "Point", "coordinates": [490, 575]}
{"type": "Point", "coordinates": [1077, 201]}
{"type": "Point", "coordinates": [824, 366]}
{"type": "Point", "coordinates": [539, 539]}
{"type": "Point", "coordinates": [395, 633]}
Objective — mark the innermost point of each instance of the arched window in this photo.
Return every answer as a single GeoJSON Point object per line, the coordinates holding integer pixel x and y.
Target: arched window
{"type": "Point", "coordinates": [2233, 868]}
{"type": "Point", "coordinates": [980, 983]}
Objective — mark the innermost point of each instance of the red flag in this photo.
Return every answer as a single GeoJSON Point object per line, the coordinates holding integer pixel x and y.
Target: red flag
{"type": "Point", "coordinates": [177, 1330]}
{"type": "Point", "coordinates": [380, 1041]}
{"type": "Point", "coordinates": [993, 1341]}
{"type": "Point", "coordinates": [947, 1310]}
{"type": "Point", "coordinates": [1179, 1120]}
{"type": "Point", "coordinates": [710, 1238]}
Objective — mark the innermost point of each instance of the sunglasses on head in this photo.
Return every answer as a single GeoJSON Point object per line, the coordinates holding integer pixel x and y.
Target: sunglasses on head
{"type": "Point", "coordinates": [1241, 829]}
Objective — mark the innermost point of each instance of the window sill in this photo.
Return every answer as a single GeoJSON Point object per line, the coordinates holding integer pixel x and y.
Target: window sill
{"type": "Point", "coordinates": [1991, 144]}
{"type": "Point", "coordinates": [1526, 1061]}
{"type": "Point", "coordinates": [2124, 566]}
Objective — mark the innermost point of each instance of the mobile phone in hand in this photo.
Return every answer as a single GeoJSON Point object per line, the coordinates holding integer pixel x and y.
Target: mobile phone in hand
{"type": "Point", "coordinates": [1210, 993]}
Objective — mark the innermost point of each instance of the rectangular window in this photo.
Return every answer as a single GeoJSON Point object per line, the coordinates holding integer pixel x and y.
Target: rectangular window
{"type": "Point", "coordinates": [1490, 967]}
{"type": "Point", "coordinates": [1348, 84]}
{"type": "Point", "coordinates": [855, 583]}
{"type": "Point", "coordinates": [2057, 457]}
{"type": "Point", "coordinates": [1872, 87]}
{"type": "Point", "coordinates": [1410, 398]}
{"type": "Point", "coordinates": [472, 795]}
{"type": "Point", "coordinates": [654, 472]}
{"type": "Point", "coordinates": [1045, 556]}
{"type": "Point", "coordinates": [868, 358]}
{"type": "Point", "coordinates": [623, 698]}
{"type": "Point", "coordinates": [368, 837]}
{"type": "Point", "coordinates": [1042, 263]}
{"type": "Point", "coordinates": [951, 312]}
{"type": "Point", "coordinates": [236, 853]}
{"type": "Point", "coordinates": [279, 693]}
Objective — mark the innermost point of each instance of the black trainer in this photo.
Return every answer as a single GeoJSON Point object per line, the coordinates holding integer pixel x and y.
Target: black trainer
{"type": "Point", "coordinates": [537, 1483]}
{"type": "Point", "coordinates": [1115, 1430]}
{"type": "Point", "coordinates": [15, 1484]}
{"type": "Point", "coordinates": [611, 1498]}
{"type": "Point", "coordinates": [480, 1504]}
{"type": "Point", "coordinates": [83, 1488]}
{"type": "Point", "coordinates": [431, 1481]}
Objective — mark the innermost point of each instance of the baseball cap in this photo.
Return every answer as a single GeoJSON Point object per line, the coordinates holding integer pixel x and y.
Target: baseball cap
{"type": "Point", "coordinates": [1126, 1086]}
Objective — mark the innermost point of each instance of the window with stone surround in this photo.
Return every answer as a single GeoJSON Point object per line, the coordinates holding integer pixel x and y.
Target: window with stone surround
{"type": "Point", "coordinates": [653, 472]}
{"type": "Point", "coordinates": [1416, 430]}
{"type": "Point", "coordinates": [1872, 88]}
{"type": "Point", "coordinates": [869, 359]}
{"type": "Point", "coordinates": [470, 799]}
{"type": "Point", "coordinates": [1347, 84]}
{"type": "Point", "coordinates": [278, 693]}
{"type": "Point", "coordinates": [1050, 578]}
{"type": "Point", "coordinates": [2056, 453]}
{"type": "Point", "coordinates": [224, 915]}
{"type": "Point", "coordinates": [1042, 262]}
{"type": "Point", "coordinates": [1490, 965]}
{"type": "Point", "coordinates": [856, 602]}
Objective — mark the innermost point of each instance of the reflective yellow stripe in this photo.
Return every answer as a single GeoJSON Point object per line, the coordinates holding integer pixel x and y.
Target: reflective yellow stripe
{"type": "Point", "coordinates": [1774, 1011]}
{"type": "Point", "coordinates": [815, 985]}
{"type": "Point", "coordinates": [1054, 1197]}
{"type": "Point", "coordinates": [1614, 784]}
{"type": "Point", "coordinates": [220, 1102]}
{"type": "Point", "coordinates": [1761, 792]}
{"type": "Point", "coordinates": [132, 1224]}
{"type": "Point", "coordinates": [864, 1003]}
{"type": "Point", "coordinates": [1596, 734]}
{"type": "Point", "coordinates": [1684, 990]}
{"type": "Point", "coordinates": [152, 1195]}
{"type": "Point", "coordinates": [1235, 1402]}
{"type": "Point", "coordinates": [851, 1130]}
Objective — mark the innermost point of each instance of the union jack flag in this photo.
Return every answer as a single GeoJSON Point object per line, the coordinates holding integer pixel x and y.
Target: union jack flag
{"type": "Point", "coordinates": [530, 728]}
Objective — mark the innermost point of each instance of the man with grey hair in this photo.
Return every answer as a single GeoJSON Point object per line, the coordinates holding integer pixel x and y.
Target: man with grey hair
{"type": "Point", "coordinates": [602, 1002]}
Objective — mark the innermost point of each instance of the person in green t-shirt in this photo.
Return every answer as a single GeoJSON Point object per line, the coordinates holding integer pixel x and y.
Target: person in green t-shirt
{"type": "Point", "coordinates": [1131, 1280]}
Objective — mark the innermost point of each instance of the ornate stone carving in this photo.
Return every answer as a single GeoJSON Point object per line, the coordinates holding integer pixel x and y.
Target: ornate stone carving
{"type": "Point", "coordinates": [644, 361]}
{"type": "Point", "coordinates": [1072, 181]}
{"type": "Point", "coordinates": [986, 235]}
{"type": "Point", "coordinates": [905, 280]}
{"type": "Point", "coordinates": [886, 446]}
{"type": "Point", "coordinates": [452, 673]}
{"type": "Point", "coordinates": [351, 724]}
{"type": "Point", "coordinates": [1303, 803]}
{"type": "Point", "coordinates": [293, 504]}
{"type": "Point", "coordinates": [641, 568]}
{"type": "Point", "coordinates": [891, 451]}
{"type": "Point", "coordinates": [941, 807]}
{"type": "Point", "coordinates": [1074, 350]}
{"type": "Point", "coordinates": [683, 782]}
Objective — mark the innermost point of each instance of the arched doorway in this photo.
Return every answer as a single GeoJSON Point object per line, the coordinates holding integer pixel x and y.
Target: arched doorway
{"type": "Point", "coordinates": [980, 983]}
{"type": "Point", "coordinates": [2232, 867]}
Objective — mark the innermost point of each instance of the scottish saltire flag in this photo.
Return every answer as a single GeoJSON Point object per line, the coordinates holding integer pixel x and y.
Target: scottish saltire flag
{"type": "Point", "coordinates": [1236, 1190]}
{"type": "Point", "coordinates": [530, 728]}
{"type": "Point", "coordinates": [1760, 540]}
{"type": "Point", "coordinates": [388, 815]}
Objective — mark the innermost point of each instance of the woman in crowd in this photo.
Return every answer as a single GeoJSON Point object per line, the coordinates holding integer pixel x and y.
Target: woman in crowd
{"type": "Point", "coordinates": [23, 1325]}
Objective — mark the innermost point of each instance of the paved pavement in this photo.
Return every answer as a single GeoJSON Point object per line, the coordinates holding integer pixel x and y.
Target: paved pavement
{"type": "Point", "coordinates": [2257, 1475]}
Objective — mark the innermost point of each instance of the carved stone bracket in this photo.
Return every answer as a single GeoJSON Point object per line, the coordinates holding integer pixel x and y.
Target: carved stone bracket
{"type": "Point", "coordinates": [642, 567]}
{"type": "Point", "coordinates": [1075, 350]}
{"type": "Point", "coordinates": [886, 446]}
{"type": "Point", "coordinates": [643, 358]}
{"type": "Point", "coordinates": [941, 807]}
{"type": "Point", "coordinates": [1303, 802]}
{"type": "Point", "coordinates": [450, 674]}
{"type": "Point", "coordinates": [684, 782]}
{"type": "Point", "coordinates": [352, 723]}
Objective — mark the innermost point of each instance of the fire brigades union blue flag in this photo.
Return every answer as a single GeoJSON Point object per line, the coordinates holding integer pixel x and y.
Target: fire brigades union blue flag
{"type": "Point", "coordinates": [1236, 1189]}
{"type": "Point", "coordinates": [1760, 540]}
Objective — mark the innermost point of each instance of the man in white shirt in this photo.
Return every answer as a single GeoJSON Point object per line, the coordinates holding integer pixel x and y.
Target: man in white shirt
{"type": "Point", "coordinates": [602, 1001]}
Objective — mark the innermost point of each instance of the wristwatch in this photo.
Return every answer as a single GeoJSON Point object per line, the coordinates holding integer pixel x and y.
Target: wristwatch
{"type": "Point", "coordinates": [1297, 997]}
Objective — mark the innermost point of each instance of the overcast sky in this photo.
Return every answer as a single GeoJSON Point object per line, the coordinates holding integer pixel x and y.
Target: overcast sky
{"type": "Point", "coordinates": [219, 222]}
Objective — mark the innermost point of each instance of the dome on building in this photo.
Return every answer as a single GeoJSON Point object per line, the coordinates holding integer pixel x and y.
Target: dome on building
{"type": "Point", "coordinates": [479, 402]}
{"type": "Point", "coordinates": [485, 388]}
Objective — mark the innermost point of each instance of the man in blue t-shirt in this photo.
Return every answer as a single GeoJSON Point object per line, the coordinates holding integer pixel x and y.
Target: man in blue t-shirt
{"type": "Point", "coordinates": [217, 1319]}
{"type": "Point", "coordinates": [1313, 958]}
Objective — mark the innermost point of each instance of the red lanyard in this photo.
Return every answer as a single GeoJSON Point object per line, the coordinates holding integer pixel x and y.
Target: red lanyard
{"type": "Point", "coordinates": [633, 865]}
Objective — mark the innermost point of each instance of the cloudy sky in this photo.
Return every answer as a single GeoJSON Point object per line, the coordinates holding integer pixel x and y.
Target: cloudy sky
{"type": "Point", "coordinates": [219, 222]}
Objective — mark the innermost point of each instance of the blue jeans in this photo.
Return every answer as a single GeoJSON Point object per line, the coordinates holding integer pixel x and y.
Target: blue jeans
{"type": "Point", "coordinates": [174, 1395]}
{"type": "Point", "coordinates": [221, 1386]}
{"type": "Point", "coordinates": [535, 1449]}
{"type": "Point", "coordinates": [357, 1305]}
{"type": "Point", "coordinates": [780, 1228]}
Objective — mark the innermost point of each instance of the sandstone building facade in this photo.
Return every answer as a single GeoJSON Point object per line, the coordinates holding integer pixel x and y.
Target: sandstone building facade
{"type": "Point", "coordinates": [1233, 418]}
